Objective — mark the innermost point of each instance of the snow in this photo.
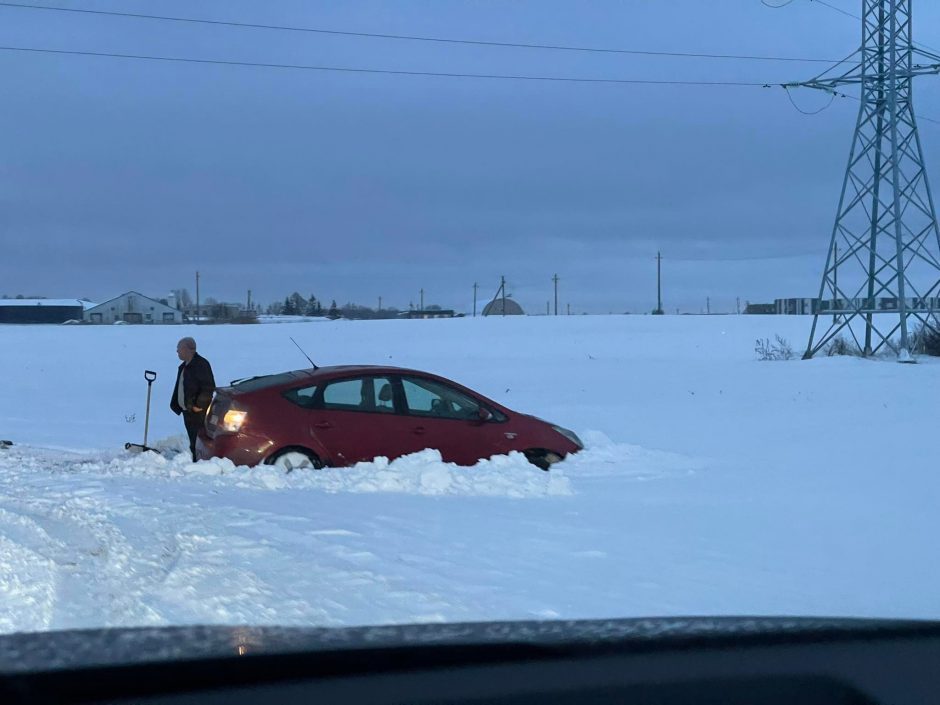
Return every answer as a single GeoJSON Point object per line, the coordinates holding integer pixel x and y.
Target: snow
{"type": "Point", "coordinates": [712, 483]}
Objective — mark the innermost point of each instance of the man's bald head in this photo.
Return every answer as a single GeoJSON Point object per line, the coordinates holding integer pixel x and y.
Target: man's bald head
{"type": "Point", "coordinates": [186, 348]}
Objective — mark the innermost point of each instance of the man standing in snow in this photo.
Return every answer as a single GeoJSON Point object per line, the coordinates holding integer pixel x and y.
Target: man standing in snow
{"type": "Point", "coordinates": [193, 391]}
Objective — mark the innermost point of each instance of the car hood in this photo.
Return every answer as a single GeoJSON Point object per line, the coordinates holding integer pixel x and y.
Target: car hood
{"type": "Point", "coordinates": [66, 650]}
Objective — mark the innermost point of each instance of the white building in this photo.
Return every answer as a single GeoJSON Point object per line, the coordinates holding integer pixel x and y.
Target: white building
{"type": "Point", "coordinates": [133, 307]}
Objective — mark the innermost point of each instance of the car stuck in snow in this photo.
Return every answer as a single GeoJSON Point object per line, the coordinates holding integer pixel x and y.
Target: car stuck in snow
{"type": "Point", "coordinates": [338, 416]}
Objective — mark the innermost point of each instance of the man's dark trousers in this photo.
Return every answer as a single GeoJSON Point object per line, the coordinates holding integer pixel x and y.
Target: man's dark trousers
{"type": "Point", "coordinates": [193, 422]}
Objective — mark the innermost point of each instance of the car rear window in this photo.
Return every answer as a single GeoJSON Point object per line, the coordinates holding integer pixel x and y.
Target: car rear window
{"type": "Point", "coordinates": [302, 396]}
{"type": "Point", "coordinates": [263, 382]}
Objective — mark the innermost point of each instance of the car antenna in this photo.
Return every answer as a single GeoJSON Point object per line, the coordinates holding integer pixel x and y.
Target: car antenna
{"type": "Point", "coordinates": [305, 354]}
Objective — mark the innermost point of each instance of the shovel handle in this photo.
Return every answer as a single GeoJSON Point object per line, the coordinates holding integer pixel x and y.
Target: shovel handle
{"type": "Point", "coordinates": [150, 375]}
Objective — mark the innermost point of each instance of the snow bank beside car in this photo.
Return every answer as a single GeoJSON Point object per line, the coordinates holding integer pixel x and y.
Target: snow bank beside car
{"type": "Point", "coordinates": [422, 473]}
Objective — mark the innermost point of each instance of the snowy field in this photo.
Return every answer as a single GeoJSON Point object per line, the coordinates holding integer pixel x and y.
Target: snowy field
{"type": "Point", "coordinates": [712, 483]}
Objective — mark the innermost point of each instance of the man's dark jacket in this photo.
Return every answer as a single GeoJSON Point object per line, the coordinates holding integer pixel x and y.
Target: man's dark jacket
{"type": "Point", "coordinates": [198, 385]}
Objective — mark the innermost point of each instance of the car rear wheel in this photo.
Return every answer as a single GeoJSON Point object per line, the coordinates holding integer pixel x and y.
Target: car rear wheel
{"type": "Point", "coordinates": [542, 458]}
{"type": "Point", "coordinates": [290, 459]}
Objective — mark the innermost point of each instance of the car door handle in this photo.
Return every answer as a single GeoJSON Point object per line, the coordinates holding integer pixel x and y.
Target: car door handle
{"type": "Point", "coordinates": [323, 424]}
{"type": "Point", "coordinates": [419, 430]}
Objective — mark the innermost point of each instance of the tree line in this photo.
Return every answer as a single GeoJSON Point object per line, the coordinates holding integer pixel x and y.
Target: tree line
{"type": "Point", "coordinates": [297, 305]}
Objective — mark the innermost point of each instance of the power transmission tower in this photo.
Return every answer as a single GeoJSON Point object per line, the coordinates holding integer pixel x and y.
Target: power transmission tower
{"type": "Point", "coordinates": [883, 265]}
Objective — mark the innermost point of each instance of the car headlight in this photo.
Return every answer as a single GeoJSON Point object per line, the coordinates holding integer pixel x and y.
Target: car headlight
{"type": "Point", "coordinates": [233, 420]}
{"type": "Point", "coordinates": [570, 435]}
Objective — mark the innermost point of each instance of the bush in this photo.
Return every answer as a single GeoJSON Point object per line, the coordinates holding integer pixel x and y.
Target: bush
{"type": "Point", "coordinates": [926, 339]}
{"type": "Point", "coordinates": [778, 350]}
{"type": "Point", "coordinates": [841, 346]}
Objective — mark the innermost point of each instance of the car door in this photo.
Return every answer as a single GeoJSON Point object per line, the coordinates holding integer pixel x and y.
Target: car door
{"type": "Point", "coordinates": [447, 419]}
{"type": "Point", "coordinates": [354, 419]}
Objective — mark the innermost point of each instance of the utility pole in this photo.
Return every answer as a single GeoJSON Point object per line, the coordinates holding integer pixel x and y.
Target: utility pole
{"type": "Point", "coordinates": [475, 287]}
{"type": "Point", "coordinates": [659, 285]}
{"type": "Point", "coordinates": [380, 303]}
{"type": "Point", "coordinates": [249, 299]}
{"type": "Point", "coordinates": [708, 305]}
{"type": "Point", "coordinates": [422, 299]}
{"type": "Point", "coordinates": [885, 222]}
{"type": "Point", "coordinates": [197, 299]}
{"type": "Point", "coordinates": [569, 309]}
{"type": "Point", "coordinates": [737, 305]}
{"type": "Point", "coordinates": [555, 279]}
{"type": "Point", "coordinates": [502, 288]}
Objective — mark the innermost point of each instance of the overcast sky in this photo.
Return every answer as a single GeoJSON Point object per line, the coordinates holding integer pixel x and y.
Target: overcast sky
{"type": "Point", "coordinates": [118, 174]}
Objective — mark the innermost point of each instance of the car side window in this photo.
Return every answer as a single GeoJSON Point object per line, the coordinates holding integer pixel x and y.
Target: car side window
{"type": "Point", "coordinates": [304, 396]}
{"type": "Point", "coordinates": [428, 398]}
{"type": "Point", "coordinates": [371, 394]}
{"type": "Point", "coordinates": [345, 394]}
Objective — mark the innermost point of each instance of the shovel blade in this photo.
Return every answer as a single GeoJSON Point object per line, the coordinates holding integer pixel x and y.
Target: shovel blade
{"type": "Point", "coordinates": [139, 448]}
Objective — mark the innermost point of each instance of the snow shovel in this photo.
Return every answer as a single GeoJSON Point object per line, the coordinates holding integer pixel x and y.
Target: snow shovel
{"type": "Point", "coordinates": [150, 376]}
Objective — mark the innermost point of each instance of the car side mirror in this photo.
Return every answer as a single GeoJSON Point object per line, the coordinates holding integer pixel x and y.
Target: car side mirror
{"type": "Point", "coordinates": [484, 414]}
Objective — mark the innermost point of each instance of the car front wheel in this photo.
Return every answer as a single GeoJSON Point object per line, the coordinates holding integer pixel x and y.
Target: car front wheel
{"type": "Point", "coordinates": [290, 459]}
{"type": "Point", "coordinates": [543, 459]}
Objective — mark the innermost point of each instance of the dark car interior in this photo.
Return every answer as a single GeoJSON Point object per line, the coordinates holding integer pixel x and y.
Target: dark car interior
{"type": "Point", "coordinates": [695, 661]}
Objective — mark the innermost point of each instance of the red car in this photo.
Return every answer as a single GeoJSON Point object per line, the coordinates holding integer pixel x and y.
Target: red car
{"type": "Point", "coordinates": [338, 416]}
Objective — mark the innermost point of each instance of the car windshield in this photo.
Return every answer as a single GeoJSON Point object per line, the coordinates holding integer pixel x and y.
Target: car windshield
{"type": "Point", "coordinates": [324, 314]}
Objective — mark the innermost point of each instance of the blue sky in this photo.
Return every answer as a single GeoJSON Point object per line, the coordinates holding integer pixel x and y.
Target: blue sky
{"type": "Point", "coordinates": [119, 174]}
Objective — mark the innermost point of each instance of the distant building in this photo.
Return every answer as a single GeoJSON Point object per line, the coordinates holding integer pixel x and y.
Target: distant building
{"type": "Point", "coordinates": [133, 307]}
{"type": "Point", "coordinates": [429, 313]}
{"type": "Point", "coordinates": [218, 313]}
{"type": "Point", "coordinates": [41, 310]}
{"type": "Point", "coordinates": [760, 308]}
{"type": "Point", "coordinates": [796, 307]}
{"type": "Point", "coordinates": [496, 308]}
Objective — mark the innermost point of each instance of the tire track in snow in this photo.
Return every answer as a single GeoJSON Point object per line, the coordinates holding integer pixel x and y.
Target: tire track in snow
{"type": "Point", "coordinates": [27, 574]}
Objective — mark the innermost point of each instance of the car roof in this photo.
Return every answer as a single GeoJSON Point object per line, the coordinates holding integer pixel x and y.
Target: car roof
{"type": "Point", "coordinates": [323, 373]}
{"type": "Point", "coordinates": [369, 369]}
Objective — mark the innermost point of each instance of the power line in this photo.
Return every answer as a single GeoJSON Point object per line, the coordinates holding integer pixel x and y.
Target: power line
{"type": "Point", "coordinates": [832, 97]}
{"type": "Point", "coordinates": [396, 72]}
{"type": "Point", "coordinates": [412, 38]}
{"type": "Point", "coordinates": [919, 117]}
{"type": "Point", "coordinates": [837, 9]}
{"type": "Point", "coordinates": [858, 17]}
{"type": "Point", "coordinates": [784, 3]}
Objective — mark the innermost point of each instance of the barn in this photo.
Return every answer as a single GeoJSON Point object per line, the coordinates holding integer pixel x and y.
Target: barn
{"type": "Point", "coordinates": [41, 310]}
{"type": "Point", "coordinates": [133, 307]}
